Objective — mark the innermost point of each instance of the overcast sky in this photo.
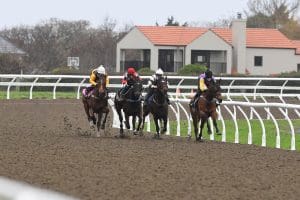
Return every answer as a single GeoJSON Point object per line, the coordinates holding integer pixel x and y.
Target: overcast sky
{"type": "Point", "coordinates": [135, 12]}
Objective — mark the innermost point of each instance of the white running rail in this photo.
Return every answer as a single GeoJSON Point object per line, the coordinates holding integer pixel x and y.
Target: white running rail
{"type": "Point", "coordinates": [12, 190]}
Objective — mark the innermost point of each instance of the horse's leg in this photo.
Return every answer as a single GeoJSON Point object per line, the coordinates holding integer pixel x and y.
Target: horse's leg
{"type": "Point", "coordinates": [87, 111]}
{"type": "Point", "coordinates": [139, 122]}
{"type": "Point", "coordinates": [133, 124]}
{"type": "Point", "coordinates": [127, 121]}
{"type": "Point", "coordinates": [195, 123]}
{"type": "Point", "coordinates": [98, 123]}
{"type": "Point", "coordinates": [203, 120]}
{"type": "Point", "coordinates": [121, 120]}
{"type": "Point", "coordinates": [208, 128]}
{"type": "Point", "coordinates": [165, 119]}
{"type": "Point", "coordinates": [105, 117]}
{"type": "Point", "coordinates": [145, 113]}
{"type": "Point", "coordinates": [93, 116]}
{"type": "Point", "coordinates": [156, 126]}
{"type": "Point", "coordinates": [214, 118]}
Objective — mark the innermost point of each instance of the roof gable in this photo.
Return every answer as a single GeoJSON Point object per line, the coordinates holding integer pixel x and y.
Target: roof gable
{"type": "Point", "coordinates": [171, 35]}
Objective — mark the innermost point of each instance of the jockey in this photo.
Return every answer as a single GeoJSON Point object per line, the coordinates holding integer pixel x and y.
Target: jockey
{"type": "Point", "coordinates": [128, 80]}
{"type": "Point", "coordinates": [152, 84]}
{"type": "Point", "coordinates": [204, 80]}
{"type": "Point", "coordinates": [95, 76]}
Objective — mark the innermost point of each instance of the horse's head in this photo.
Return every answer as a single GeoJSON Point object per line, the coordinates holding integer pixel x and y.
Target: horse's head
{"type": "Point", "coordinates": [162, 85]}
{"type": "Point", "coordinates": [101, 86]}
{"type": "Point", "coordinates": [214, 91]}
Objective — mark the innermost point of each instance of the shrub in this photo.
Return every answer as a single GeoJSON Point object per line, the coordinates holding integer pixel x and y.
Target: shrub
{"type": "Point", "coordinates": [145, 71]}
{"type": "Point", "coordinates": [292, 74]}
{"type": "Point", "coordinates": [65, 71]}
{"type": "Point", "coordinates": [192, 69]}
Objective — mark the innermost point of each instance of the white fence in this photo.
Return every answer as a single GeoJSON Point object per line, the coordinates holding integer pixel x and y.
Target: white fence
{"type": "Point", "coordinates": [181, 87]}
{"type": "Point", "coordinates": [12, 190]}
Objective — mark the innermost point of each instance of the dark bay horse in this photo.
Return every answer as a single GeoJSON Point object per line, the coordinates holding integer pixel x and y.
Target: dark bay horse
{"type": "Point", "coordinates": [97, 104]}
{"type": "Point", "coordinates": [131, 106]}
{"type": "Point", "coordinates": [158, 106]}
{"type": "Point", "coordinates": [206, 107]}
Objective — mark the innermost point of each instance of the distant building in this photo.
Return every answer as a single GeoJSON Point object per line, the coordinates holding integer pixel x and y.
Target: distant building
{"type": "Point", "coordinates": [7, 47]}
{"type": "Point", "coordinates": [225, 50]}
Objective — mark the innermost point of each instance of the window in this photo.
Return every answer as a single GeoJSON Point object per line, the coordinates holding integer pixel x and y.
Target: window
{"type": "Point", "coordinates": [258, 61]}
{"type": "Point", "coordinates": [200, 59]}
{"type": "Point", "coordinates": [298, 67]}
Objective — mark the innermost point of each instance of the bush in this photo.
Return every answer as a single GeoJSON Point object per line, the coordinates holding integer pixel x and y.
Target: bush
{"type": "Point", "coordinates": [65, 71]}
{"type": "Point", "coordinates": [192, 69]}
{"type": "Point", "coordinates": [145, 71]}
{"type": "Point", "coordinates": [292, 74]}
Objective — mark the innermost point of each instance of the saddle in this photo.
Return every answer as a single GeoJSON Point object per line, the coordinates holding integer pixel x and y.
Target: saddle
{"type": "Point", "coordinates": [87, 92]}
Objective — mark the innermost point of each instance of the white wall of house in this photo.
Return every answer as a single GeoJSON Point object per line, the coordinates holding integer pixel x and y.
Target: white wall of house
{"type": "Point", "coordinates": [209, 41]}
{"type": "Point", "coordinates": [274, 61]}
{"type": "Point", "coordinates": [135, 40]}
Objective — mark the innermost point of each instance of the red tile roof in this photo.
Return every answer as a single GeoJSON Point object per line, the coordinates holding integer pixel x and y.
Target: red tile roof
{"type": "Point", "coordinates": [182, 36]}
{"type": "Point", "coordinates": [297, 46]}
{"type": "Point", "coordinates": [267, 38]}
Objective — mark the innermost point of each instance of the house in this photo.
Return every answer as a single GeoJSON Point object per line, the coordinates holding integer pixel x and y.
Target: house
{"type": "Point", "coordinates": [7, 47]}
{"type": "Point", "coordinates": [236, 49]}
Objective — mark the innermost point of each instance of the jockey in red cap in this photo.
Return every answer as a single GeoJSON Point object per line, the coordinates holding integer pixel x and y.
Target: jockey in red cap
{"type": "Point", "coordinates": [128, 80]}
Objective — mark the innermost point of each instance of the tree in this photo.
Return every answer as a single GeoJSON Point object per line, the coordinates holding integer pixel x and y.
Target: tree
{"type": "Point", "coordinates": [171, 22]}
{"type": "Point", "coordinates": [271, 13]}
{"type": "Point", "coordinates": [278, 14]}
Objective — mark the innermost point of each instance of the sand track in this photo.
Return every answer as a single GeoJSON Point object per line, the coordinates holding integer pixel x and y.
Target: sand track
{"type": "Point", "coordinates": [43, 143]}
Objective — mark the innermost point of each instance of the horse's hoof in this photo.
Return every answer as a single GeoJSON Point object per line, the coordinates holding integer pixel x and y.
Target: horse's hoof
{"type": "Point", "coordinates": [103, 127]}
{"type": "Point", "coordinates": [91, 124]}
{"type": "Point", "coordinates": [141, 133]}
{"type": "Point", "coordinates": [135, 132]}
{"type": "Point", "coordinates": [98, 134]}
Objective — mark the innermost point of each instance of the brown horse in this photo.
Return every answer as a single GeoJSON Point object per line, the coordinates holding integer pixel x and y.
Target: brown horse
{"type": "Point", "coordinates": [206, 107]}
{"type": "Point", "coordinates": [158, 106]}
{"type": "Point", "coordinates": [97, 104]}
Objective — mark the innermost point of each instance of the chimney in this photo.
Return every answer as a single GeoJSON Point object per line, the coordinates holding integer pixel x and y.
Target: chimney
{"type": "Point", "coordinates": [238, 28]}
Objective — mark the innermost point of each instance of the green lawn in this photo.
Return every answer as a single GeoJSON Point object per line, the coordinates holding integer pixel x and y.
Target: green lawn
{"type": "Point", "coordinates": [38, 95]}
{"type": "Point", "coordinates": [285, 137]}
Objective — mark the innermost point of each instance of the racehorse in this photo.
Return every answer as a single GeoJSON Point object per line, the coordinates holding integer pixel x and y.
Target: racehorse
{"type": "Point", "coordinates": [131, 106]}
{"type": "Point", "coordinates": [158, 106]}
{"type": "Point", "coordinates": [97, 103]}
{"type": "Point", "coordinates": [206, 107]}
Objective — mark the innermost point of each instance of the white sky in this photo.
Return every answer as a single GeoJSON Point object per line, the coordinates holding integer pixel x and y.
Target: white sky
{"type": "Point", "coordinates": [135, 12]}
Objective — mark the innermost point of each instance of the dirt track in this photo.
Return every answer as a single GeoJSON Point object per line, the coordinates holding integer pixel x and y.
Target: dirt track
{"type": "Point", "coordinates": [42, 143]}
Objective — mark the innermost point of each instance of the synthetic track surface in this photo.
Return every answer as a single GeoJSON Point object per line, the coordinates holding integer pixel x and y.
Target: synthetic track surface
{"type": "Point", "coordinates": [43, 143]}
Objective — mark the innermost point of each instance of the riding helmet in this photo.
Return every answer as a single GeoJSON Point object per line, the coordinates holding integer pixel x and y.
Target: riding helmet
{"type": "Point", "coordinates": [208, 73]}
{"type": "Point", "coordinates": [159, 72]}
{"type": "Point", "coordinates": [101, 69]}
{"type": "Point", "coordinates": [131, 71]}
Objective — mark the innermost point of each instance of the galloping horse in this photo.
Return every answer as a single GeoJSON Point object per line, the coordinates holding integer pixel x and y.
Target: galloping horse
{"type": "Point", "coordinates": [206, 107]}
{"type": "Point", "coordinates": [97, 103]}
{"type": "Point", "coordinates": [158, 106]}
{"type": "Point", "coordinates": [131, 106]}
